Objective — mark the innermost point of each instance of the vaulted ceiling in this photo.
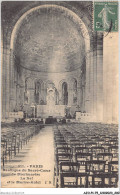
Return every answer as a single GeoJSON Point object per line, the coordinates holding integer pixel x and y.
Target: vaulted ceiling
{"type": "Point", "coordinates": [49, 41]}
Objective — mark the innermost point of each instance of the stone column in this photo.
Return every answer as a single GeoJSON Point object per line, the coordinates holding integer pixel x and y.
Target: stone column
{"type": "Point", "coordinates": [22, 87]}
{"type": "Point", "coordinates": [31, 96]}
{"type": "Point", "coordinates": [17, 96]}
{"type": "Point", "coordinates": [94, 54]}
{"type": "Point", "coordinates": [87, 84]}
{"type": "Point", "coordinates": [70, 95]}
{"type": "Point", "coordinates": [99, 73]}
{"type": "Point", "coordinates": [60, 97]}
{"type": "Point", "coordinates": [44, 93]}
{"type": "Point", "coordinates": [79, 93]}
{"type": "Point", "coordinates": [93, 75]}
{"type": "Point", "coordinates": [5, 54]}
{"type": "Point", "coordinates": [22, 90]}
{"type": "Point", "coordinates": [91, 84]}
{"type": "Point", "coordinates": [96, 76]}
{"type": "Point", "coordinates": [12, 83]}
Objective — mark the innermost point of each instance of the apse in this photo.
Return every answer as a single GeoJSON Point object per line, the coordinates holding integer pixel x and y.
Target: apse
{"type": "Point", "coordinates": [49, 41]}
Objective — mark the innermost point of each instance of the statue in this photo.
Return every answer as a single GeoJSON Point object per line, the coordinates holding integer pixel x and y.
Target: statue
{"type": "Point", "coordinates": [51, 96]}
{"type": "Point", "coordinates": [51, 100]}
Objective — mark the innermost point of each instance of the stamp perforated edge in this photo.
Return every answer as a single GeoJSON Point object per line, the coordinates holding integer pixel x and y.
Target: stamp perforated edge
{"type": "Point", "coordinates": [106, 1]}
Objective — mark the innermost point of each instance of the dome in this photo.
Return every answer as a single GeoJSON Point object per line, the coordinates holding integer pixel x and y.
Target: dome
{"type": "Point", "coordinates": [49, 41]}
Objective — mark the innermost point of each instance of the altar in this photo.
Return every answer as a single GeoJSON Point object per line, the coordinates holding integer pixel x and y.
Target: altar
{"type": "Point", "coordinates": [46, 110]}
{"type": "Point", "coordinates": [51, 108]}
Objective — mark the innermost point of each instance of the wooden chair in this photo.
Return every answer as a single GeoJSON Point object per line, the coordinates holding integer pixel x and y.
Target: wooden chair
{"type": "Point", "coordinates": [72, 167]}
{"type": "Point", "coordinates": [114, 141]}
{"type": "Point", "coordinates": [96, 150]}
{"type": "Point", "coordinates": [106, 146]}
{"type": "Point", "coordinates": [95, 167]}
{"type": "Point", "coordinates": [72, 141]}
{"type": "Point", "coordinates": [76, 144]}
{"type": "Point", "coordinates": [82, 166]}
{"type": "Point", "coordinates": [56, 138]}
{"type": "Point", "coordinates": [90, 144]}
{"type": "Point", "coordinates": [100, 141]}
{"type": "Point", "coordinates": [74, 180]}
{"type": "Point", "coordinates": [107, 157]}
{"type": "Point", "coordinates": [105, 180]}
{"type": "Point", "coordinates": [63, 149]}
{"type": "Point", "coordinates": [81, 149]}
{"type": "Point", "coordinates": [113, 167]}
{"type": "Point", "coordinates": [114, 151]}
{"type": "Point", "coordinates": [3, 151]}
{"type": "Point", "coordinates": [83, 156]}
{"type": "Point", "coordinates": [61, 144]}
{"type": "Point", "coordinates": [63, 157]}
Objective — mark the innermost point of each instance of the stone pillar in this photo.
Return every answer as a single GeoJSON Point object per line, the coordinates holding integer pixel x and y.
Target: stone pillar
{"type": "Point", "coordinates": [94, 72]}
{"type": "Point", "coordinates": [22, 90]}
{"type": "Point", "coordinates": [83, 98]}
{"type": "Point", "coordinates": [70, 95]}
{"type": "Point", "coordinates": [17, 94]}
{"type": "Point", "coordinates": [60, 97]}
{"type": "Point", "coordinates": [93, 75]}
{"type": "Point", "coordinates": [5, 54]}
{"type": "Point", "coordinates": [93, 55]}
{"type": "Point", "coordinates": [91, 84]}
{"type": "Point", "coordinates": [43, 94]}
{"type": "Point", "coordinates": [22, 87]}
{"type": "Point", "coordinates": [99, 73]}
{"type": "Point", "coordinates": [87, 84]}
{"type": "Point", "coordinates": [31, 96]}
{"type": "Point", "coordinates": [12, 83]}
{"type": "Point", "coordinates": [79, 93]}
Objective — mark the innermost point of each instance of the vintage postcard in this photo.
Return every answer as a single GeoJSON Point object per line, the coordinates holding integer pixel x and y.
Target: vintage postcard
{"type": "Point", "coordinates": [59, 71]}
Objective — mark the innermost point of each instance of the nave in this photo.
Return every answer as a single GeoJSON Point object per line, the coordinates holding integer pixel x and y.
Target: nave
{"type": "Point", "coordinates": [71, 155]}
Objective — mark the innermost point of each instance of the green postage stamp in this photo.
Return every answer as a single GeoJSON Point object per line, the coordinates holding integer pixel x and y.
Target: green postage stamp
{"type": "Point", "coordinates": [106, 16]}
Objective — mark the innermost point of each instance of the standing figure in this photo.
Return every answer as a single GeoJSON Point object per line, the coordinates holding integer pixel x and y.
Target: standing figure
{"type": "Point", "coordinates": [104, 15]}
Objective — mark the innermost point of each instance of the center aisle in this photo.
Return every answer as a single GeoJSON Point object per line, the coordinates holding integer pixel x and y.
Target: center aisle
{"type": "Point", "coordinates": [37, 158]}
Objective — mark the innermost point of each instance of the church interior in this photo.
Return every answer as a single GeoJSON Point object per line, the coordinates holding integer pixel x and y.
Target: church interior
{"type": "Point", "coordinates": [58, 96]}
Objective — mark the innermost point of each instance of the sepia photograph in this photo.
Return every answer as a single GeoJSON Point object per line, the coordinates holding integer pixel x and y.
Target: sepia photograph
{"type": "Point", "coordinates": [59, 94]}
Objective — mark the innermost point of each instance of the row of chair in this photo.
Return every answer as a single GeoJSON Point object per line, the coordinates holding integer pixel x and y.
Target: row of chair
{"type": "Point", "coordinates": [13, 139]}
{"type": "Point", "coordinates": [86, 156]}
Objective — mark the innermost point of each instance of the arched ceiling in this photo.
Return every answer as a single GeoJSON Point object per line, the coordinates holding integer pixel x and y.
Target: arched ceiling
{"type": "Point", "coordinates": [49, 41]}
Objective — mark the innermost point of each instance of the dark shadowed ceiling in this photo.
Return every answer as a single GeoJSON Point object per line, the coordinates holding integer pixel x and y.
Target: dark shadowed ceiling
{"type": "Point", "coordinates": [49, 41]}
